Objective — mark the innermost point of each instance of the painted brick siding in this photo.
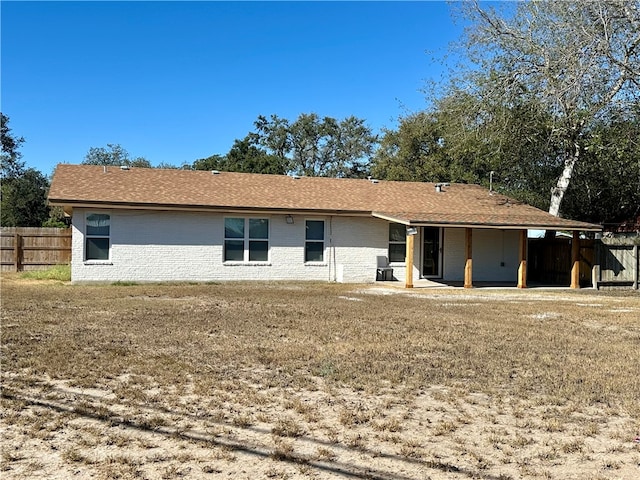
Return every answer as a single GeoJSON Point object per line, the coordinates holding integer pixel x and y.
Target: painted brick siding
{"type": "Point", "coordinates": [358, 242]}
{"type": "Point", "coordinates": [175, 246]}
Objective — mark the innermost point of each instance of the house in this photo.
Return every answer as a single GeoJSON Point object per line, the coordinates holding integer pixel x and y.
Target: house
{"type": "Point", "coordinates": [141, 224]}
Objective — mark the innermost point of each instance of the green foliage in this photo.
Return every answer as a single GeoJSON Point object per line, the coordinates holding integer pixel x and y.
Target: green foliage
{"type": "Point", "coordinates": [214, 162]}
{"type": "Point", "coordinates": [464, 138]}
{"type": "Point", "coordinates": [245, 156]}
{"type": "Point", "coordinates": [61, 273]}
{"type": "Point", "coordinates": [415, 152]}
{"type": "Point", "coordinates": [168, 166]}
{"type": "Point", "coordinates": [114, 155]}
{"type": "Point", "coordinates": [24, 200]}
{"type": "Point", "coordinates": [313, 146]}
{"type": "Point", "coordinates": [579, 61]}
{"type": "Point", "coordinates": [53, 223]}
{"type": "Point", "coordinates": [57, 218]}
{"type": "Point", "coordinates": [10, 157]}
{"type": "Point", "coordinates": [606, 184]}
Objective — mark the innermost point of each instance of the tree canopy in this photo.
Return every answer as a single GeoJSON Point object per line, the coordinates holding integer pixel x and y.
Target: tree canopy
{"type": "Point", "coordinates": [579, 60]}
{"type": "Point", "coordinates": [245, 156]}
{"type": "Point", "coordinates": [24, 200]}
{"type": "Point", "coordinates": [12, 165]}
{"type": "Point", "coordinates": [114, 155]}
{"type": "Point", "coordinates": [315, 146]}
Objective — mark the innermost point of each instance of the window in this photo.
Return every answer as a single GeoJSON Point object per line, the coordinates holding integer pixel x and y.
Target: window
{"type": "Point", "coordinates": [397, 242]}
{"type": "Point", "coordinates": [314, 241]}
{"type": "Point", "coordinates": [97, 236]}
{"type": "Point", "coordinates": [246, 239]}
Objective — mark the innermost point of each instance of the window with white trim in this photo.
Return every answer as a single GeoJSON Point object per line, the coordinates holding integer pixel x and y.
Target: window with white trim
{"type": "Point", "coordinates": [397, 242]}
{"type": "Point", "coordinates": [97, 236]}
{"type": "Point", "coordinates": [246, 239]}
{"type": "Point", "coordinates": [314, 241]}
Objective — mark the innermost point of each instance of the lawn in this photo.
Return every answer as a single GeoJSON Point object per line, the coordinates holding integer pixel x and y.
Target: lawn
{"type": "Point", "coordinates": [284, 380]}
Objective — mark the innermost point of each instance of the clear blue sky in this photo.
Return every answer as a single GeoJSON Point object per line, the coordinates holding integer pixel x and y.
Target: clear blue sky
{"type": "Point", "coordinates": [178, 81]}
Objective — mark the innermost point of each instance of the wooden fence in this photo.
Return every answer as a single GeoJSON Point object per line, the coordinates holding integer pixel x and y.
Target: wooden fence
{"type": "Point", "coordinates": [549, 261]}
{"type": "Point", "coordinates": [27, 248]}
{"type": "Point", "coordinates": [604, 264]}
{"type": "Point", "coordinates": [619, 264]}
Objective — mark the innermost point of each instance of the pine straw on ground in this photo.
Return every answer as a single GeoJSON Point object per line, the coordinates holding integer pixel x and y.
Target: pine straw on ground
{"type": "Point", "coordinates": [286, 380]}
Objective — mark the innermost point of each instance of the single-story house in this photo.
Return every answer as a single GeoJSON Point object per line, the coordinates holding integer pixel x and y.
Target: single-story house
{"type": "Point", "coordinates": [143, 224]}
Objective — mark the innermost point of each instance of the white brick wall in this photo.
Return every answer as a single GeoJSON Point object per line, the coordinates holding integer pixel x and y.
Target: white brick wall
{"type": "Point", "coordinates": [175, 246]}
{"type": "Point", "coordinates": [182, 246]}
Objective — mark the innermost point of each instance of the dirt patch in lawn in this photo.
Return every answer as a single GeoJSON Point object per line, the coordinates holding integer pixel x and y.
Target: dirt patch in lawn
{"type": "Point", "coordinates": [326, 381]}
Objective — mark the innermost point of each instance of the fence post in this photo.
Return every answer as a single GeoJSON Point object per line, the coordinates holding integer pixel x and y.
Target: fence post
{"type": "Point", "coordinates": [17, 252]}
{"type": "Point", "coordinates": [597, 256]}
{"type": "Point", "coordinates": [635, 267]}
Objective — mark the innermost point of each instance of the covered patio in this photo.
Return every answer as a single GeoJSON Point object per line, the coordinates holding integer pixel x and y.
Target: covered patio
{"type": "Point", "coordinates": [515, 224]}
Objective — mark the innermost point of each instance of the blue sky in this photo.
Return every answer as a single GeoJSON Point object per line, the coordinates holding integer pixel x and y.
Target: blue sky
{"type": "Point", "coordinates": [178, 81]}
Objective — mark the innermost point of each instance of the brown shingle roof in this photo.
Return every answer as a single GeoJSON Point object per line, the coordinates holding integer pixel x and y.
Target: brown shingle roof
{"type": "Point", "coordinates": [406, 202]}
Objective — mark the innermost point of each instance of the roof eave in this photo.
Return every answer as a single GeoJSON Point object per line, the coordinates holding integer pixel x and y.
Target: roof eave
{"type": "Point", "coordinates": [68, 205]}
{"type": "Point", "coordinates": [580, 226]}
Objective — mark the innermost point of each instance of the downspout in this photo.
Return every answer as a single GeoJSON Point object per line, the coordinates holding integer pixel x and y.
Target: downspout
{"type": "Point", "coordinates": [332, 253]}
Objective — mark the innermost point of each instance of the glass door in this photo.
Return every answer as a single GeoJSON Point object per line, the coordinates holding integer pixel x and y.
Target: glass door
{"type": "Point", "coordinates": [431, 252]}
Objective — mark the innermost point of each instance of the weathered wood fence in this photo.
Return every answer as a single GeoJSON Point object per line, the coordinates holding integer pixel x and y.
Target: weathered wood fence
{"type": "Point", "coordinates": [31, 248]}
{"type": "Point", "coordinates": [606, 263]}
{"type": "Point", "coordinates": [549, 261]}
{"type": "Point", "coordinates": [619, 264]}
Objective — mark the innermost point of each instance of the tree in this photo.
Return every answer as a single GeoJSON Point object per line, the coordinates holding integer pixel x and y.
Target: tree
{"type": "Point", "coordinates": [318, 147]}
{"type": "Point", "coordinates": [607, 182]}
{"type": "Point", "coordinates": [246, 156]}
{"type": "Point", "coordinates": [214, 162]}
{"type": "Point", "coordinates": [114, 155]}
{"type": "Point", "coordinates": [24, 200]}
{"type": "Point", "coordinates": [463, 138]}
{"type": "Point", "coordinates": [580, 60]}
{"type": "Point", "coordinates": [12, 166]}
{"type": "Point", "coordinates": [414, 152]}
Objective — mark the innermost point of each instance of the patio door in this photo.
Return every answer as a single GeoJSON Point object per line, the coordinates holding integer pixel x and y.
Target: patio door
{"type": "Point", "coordinates": [431, 252]}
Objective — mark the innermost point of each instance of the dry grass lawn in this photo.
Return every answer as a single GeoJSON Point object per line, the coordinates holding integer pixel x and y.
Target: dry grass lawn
{"type": "Point", "coordinates": [318, 381]}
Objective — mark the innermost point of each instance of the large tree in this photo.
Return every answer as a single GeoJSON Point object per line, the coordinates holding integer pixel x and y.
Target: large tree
{"type": "Point", "coordinates": [114, 155]}
{"type": "Point", "coordinates": [606, 184]}
{"type": "Point", "coordinates": [580, 60]}
{"type": "Point", "coordinates": [12, 165]}
{"type": "Point", "coordinates": [24, 202]}
{"type": "Point", "coordinates": [245, 156]}
{"type": "Point", "coordinates": [464, 138]}
{"type": "Point", "coordinates": [23, 196]}
{"type": "Point", "coordinates": [315, 146]}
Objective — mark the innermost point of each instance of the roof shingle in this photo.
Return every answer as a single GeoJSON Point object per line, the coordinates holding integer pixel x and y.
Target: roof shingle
{"type": "Point", "coordinates": [406, 202]}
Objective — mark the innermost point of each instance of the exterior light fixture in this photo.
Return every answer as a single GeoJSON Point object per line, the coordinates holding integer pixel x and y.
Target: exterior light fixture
{"type": "Point", "coordinates": [289, 219]}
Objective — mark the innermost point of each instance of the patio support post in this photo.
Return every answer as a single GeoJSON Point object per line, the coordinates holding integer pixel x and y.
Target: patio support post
{"type": "Point", "coordinates": [468, 264]}
{"type": "Point", "coordinates": [575, 260]}
{"type": "Point", "coordinates": [408, 283]}
{"type": "Point", "coordinates": [522, 268]}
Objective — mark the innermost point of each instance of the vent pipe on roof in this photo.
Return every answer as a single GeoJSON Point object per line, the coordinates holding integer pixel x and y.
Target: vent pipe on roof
{"type": "Point", "coordinates": [440, 185]}
{"type": "Point", "coordinates": [215, 172]}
